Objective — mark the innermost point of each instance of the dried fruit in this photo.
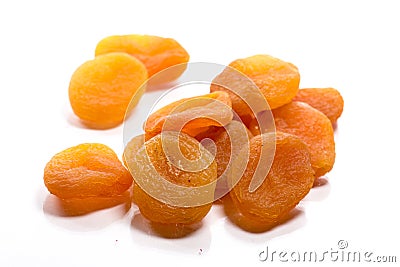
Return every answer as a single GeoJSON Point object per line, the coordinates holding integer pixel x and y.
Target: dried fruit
{"type": "Point", "coordinates": [314, 128]}
{"type": "Point", "coordinates": [234, 135]}
{"type": "Point", "coordinates": [327, 100]}
{"type": "Point", "coordinates": [156, 53]}
{"type": "Point", "coordinates": [167, 189]}
{"type": "Point", "coordinates": [101, 89]}
{"type": "Point", "coordinates": [194, 115]}
{"type": "Point", "coordinates": [287, 182]}
{"type": "Point", "coordinates": [263, 122]}
{"type": "Point", "coordinates": [84, 171]}
{"type": "Point", "coordinates": [277, 80]}
{"type": "Point", "coordinates": [80, 206]}
{"type": "Point", "coordinates": [227, 142]}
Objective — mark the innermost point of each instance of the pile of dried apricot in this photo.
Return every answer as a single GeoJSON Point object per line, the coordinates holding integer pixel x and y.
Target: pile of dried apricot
{"type": "Point", "coordinates": [256, 141]}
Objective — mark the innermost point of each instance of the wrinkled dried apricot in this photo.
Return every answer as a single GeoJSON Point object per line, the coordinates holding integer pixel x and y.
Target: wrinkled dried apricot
{"type": "Point", "coordinates": [226, 143]}
{"type": "Point", "coordinates": [162, 193]}
{"type": "Point", "coordinates": [327, 100]}
{"type": "Point", "coordinates": [84, 171]}
{"type": "Point", "coordinates": [194, 115]}
{"type": "Point", "coordinates": [287, 182]}
{"type": "Point", "coordinates": [277, 80]}
{"type": "Point", "coordinates": [80, 206]}
{"type": "Point", "coordinates": [156, 53]}
{"type": "Point", "coordinates": [225, 138]}
{"type": "Point", "coordinates": [101, 89]}
{"type": "Point", "coordinates": [314, 128]}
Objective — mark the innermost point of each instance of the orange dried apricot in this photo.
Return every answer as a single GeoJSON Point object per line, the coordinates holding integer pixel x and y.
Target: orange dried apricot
{"type": "Point", "coordinates": [224, 139]}
{"type": "Point", "coordinates": [228, 141]}
{"type": "Point", "coordinates": [163, 188]}
{"type": "Point", "coordinates": [80, 206]}
{"type": "Point", "coordinates": [156, 53]}
{"type": "Point", "coordinates": [288, 181]}
{"type": "Point", "coordinates": [314, 128]}
{"type": "Point", "coordinates": [194, 114]}
{"type": "Point", "coordinates": [101, 89]}
{"type": "Point", "coordinates": [277, 80]}
{"type": "Point", "coordinates": [84, 171]}
{"type": "Point", "coordinates": [327, 100]}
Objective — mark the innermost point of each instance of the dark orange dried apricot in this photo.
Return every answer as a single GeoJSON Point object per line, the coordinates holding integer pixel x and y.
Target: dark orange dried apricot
{"type": "Point", "coordinates": [194, 114]}
{"type": "Point", "coordinates": [288, 181]}
{"type": "Point", "coordinates": [327, 100]}
{"type": "Point", "coordinates": [314, 128]}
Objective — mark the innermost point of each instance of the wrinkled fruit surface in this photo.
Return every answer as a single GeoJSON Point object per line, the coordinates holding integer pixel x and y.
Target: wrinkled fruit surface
{"type": "Point", "coordinates": [227, 143]}
{"type": "Point", "coordinates": [288, 181]}
{"type": "Point", "coordinates": [85, 171]}
{"type": "Point", "coordinates": [156, 53]}
{"type": "Point", "coordinates": [327, 100]}
{"type": "Point", "coordinates": [314, 128]}
{"type": "Point", "coordinates": [193, 114]}
{"type": "Point", "coordinates": [277, 80]}
{"type": "Point", "coordinates": [101, 89]}
{"type": "Point", "coordinates": [153, 150]}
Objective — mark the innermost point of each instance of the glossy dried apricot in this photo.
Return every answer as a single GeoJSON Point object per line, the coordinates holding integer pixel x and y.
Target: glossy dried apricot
{"type": "Point", "coordinates": [277, 80]}
{"type": "Point", "coordinates": [233, 136]}
{"type": "Point", "coordinates": [314, 128]}
{"type": "Point", "coordinates": [226, 143]}
{"type": "Point", "coordinates": [156, 53]}
{"type": "Point", "coordinates": [164, 190]}
{"type": "Point", "coordinates": [101, 89]}
{"type": "Point", "coordinates": [194, 115]}
{"type": "Point", "coordinates": [166, 194]}
{"type": "Point", "coordinates": [81, 206]}
{"type": "Point", "coordinates": [288, 181]}
{"type": "Point", "coordinates": [327, 100]}
{"type": "Point", "coordinates": [86, 170]}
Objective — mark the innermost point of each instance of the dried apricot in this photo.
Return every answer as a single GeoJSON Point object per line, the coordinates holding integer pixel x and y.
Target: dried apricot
{"type": "Point", "coordinates": [165, 191]}
{"type": "Point", "coordinates": [277, 80]}
{"type": "Point", "coordinates": [156, 53]}
{"type": "Point", "coordinates": [227, 142]}
{"type": "Point", "coordinates": [80, 206]}
{"type": "Point", "coordinates": [234, 135]}
{"type": "Point", "coordinates": [262, 122]}
{"type": "Point", "coordinates": [101, 89]}
{"type": "Point", "coordinates": [314, 128]}
{"type": "Point", "coordinates": [327, 100]}
{"type": "Point", "coordinates": [193, 115]}
{"type": "Point", "coordinates": [86, 170]}
{"type": "Point", "coordinates": [132, 147]}
{"type": "Point", "coordinates": [288, 181]}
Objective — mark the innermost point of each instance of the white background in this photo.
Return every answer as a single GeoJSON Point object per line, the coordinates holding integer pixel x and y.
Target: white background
{"type": "Point", "coordinates": [350, 45]}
